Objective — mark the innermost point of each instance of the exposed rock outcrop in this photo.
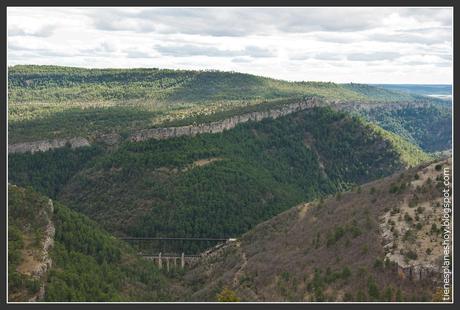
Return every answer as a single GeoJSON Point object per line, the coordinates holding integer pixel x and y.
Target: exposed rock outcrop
{"type": "Point", "coordinates": [46, 262]}
{"type": "Point", "coordinates": [109, 139]}
{"type": "Point", "coordinates": [220, 126]}
{"type": "Point", "coordinates": [213, 127]}
{"type": "Point", "coordinates": [46, 145]}
{"type": "Point", "coordinates": [409, 230]}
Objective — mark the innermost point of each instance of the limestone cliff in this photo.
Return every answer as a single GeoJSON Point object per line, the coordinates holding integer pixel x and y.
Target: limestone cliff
{"type": "Point", "coordinates": [225, 124]}
{"type": "Point", "coordinates": [113, 139]}
{"type": "Point", "coordinates": [45, 145]}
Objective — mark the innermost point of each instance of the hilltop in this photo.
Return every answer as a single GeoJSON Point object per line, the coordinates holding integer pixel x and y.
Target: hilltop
{"type": "Point", "coordinates": [28, 83]}
{"type": "Point", "coordinates": [48, 102]}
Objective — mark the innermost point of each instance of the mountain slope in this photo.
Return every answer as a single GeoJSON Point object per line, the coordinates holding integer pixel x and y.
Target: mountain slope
{"type": "Point", "coordinates": [80, 262]}
{"type": "Point", "coordinates": [380, 242]}
{"type": "Point", "coordinates": [239, 177]}
{"type": "Point", "coordinates": [428, 126]}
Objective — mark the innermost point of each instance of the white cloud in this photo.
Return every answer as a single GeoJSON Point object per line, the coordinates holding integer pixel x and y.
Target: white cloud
{"type": "Point", "coordinates": [371, 45]}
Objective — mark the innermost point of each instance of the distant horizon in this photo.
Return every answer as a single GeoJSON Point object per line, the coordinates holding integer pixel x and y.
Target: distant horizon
{"type": "Point", "coordinates": [369, 45]}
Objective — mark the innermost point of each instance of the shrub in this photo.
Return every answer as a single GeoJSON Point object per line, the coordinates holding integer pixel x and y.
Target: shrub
{"type": "Point", "coordinates": [338, 196]}
{"type": "Point", "coordinates": [360, 296]}
{"type": "Point", "coordinates": [227, 295]}
{"type": "Point", "coordinates": [378, 263]}
{"type": "Point", "coordinates": [346, 272]}
{"type": "Point", "coordinates": [388, 294]}
{"type": "Point", "coordinates": [407, 217]}
{"type": "Point", "coordinates": [373, 289]}
{"type": "Point", "coordinates": [399, 295]}
{"type": "Point", "coordinates": [411, 255]}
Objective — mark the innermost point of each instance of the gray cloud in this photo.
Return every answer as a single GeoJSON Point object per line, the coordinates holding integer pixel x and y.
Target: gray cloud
{"type": "Point", "coordinates": [408, 37]}
{"type": "Point", "coordinates": [328, 56]}
{"type": "Point", "coordinates": [241, 60]}
{"type": "Point", "coordinates": [318, 56]}
{"type": "Point", "coordinates": [258, 52]}
{"type": "Point", "coordinates": [137, 54]}
{"type": "Point", "coordinates": [246, 21]}
{"type": "Point", "coordinates": [242, 22]}
{"type": "Point", "coordinates": [43, 32]}
{"type": "Point", "coordinates": [377, 56]}
{"type": "Point", "coordinates": [186, 50]}
{"type": "Point", "coordinates": [173, 20]}
{"type": "Point", "coordinates": [337, 37]}
{"type": "Point", "coordinates": [104, 49]}
{"type": "Point", "coordinates": [324, 37]}
{"type": "Point", "coordinates": [442, 15]}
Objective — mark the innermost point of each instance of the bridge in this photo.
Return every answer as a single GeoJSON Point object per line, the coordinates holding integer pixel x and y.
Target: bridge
{"type": "Point", "coordinates": [164, 252]}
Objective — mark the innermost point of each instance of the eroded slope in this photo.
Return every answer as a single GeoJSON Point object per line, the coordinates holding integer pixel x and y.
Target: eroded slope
{"type": "Point", "coordinates": [355, 246]}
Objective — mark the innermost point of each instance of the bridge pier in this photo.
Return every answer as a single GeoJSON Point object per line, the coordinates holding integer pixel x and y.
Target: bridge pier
{"type": "Point", "coordinates": [159, 261]}
{"type": "Point", "coordinates": [167, 263]}
{"type": "Point", "coordinates": [182, 261]}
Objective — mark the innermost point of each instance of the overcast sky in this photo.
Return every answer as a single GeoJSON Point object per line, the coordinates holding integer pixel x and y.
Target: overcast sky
{"type": "Point", "coordinates": [367, 45]}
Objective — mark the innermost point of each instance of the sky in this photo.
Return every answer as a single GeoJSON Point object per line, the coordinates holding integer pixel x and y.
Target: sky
{"type": "Point", "coordinates": [361, 45]}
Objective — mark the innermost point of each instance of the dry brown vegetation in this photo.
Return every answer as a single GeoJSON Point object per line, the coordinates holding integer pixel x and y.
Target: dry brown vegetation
{"type": "Point", "coordinates": [333, 249]}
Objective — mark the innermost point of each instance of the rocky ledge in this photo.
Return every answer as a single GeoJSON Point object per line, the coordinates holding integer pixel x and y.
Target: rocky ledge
{"type": "Point", "coordinates": [46, 145]}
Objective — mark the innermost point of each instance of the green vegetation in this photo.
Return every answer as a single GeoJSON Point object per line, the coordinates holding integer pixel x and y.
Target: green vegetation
{"type": "Point", "coordinates": [68, 84]}
{"type": "Point", "coordinates": [260, 170]}
{"type": "Point", "coordinates": [88, 263]}
{"type": "Point", "coordinates": [28, 216]}
{"type": "Point", "coordinates": [62, 102]}
{"type": "Point", "coordinates": [409, 153]}
{"type": "Point", "coordinates": [227, 295]}
{"type": "Point", "coordinates": [48, 172]}
{"type": "Point", "coordinates": [428, 126]}
{"type": "Point", "coordinates": [238, 178]}
{"type": "Point", "coordinates": [381, 94]}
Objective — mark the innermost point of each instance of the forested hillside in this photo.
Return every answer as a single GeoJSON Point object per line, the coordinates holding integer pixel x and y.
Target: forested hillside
{"type": "Point", "coordinates": [87, 264]}
{"type": "Point", "coordinates": [440, 90]}
{"type": "Point", "coordinates": [238, 178]}
{"type": "Point", "coordinates": [62, 102]}
{"type": "Point", "coordinates": [67, 84]}
{"type": "Point", "coordinates": [429, 126]}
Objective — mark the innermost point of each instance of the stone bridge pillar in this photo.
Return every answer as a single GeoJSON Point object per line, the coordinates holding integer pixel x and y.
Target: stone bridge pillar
{"type": "Point", "coordinates": [159, 261]}
{"type": "Point", "coordinates": [182, 261]}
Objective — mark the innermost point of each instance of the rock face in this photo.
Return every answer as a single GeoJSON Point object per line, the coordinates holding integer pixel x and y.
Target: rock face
{"type": "Point", "coordinates": [355, 106]}
{"type": "Point", "coordinates": [113, 139]}
{"type": "Point", "coordinates": [409, 231]}
{"type": "Point", "coordinates": [40, 269]}
{"type": "Point", "coordinates": [220, 126]}
{"type": "Point", "coordinates": [109, 139]}
{"type": "Point", "coordinates": [46, 145]}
